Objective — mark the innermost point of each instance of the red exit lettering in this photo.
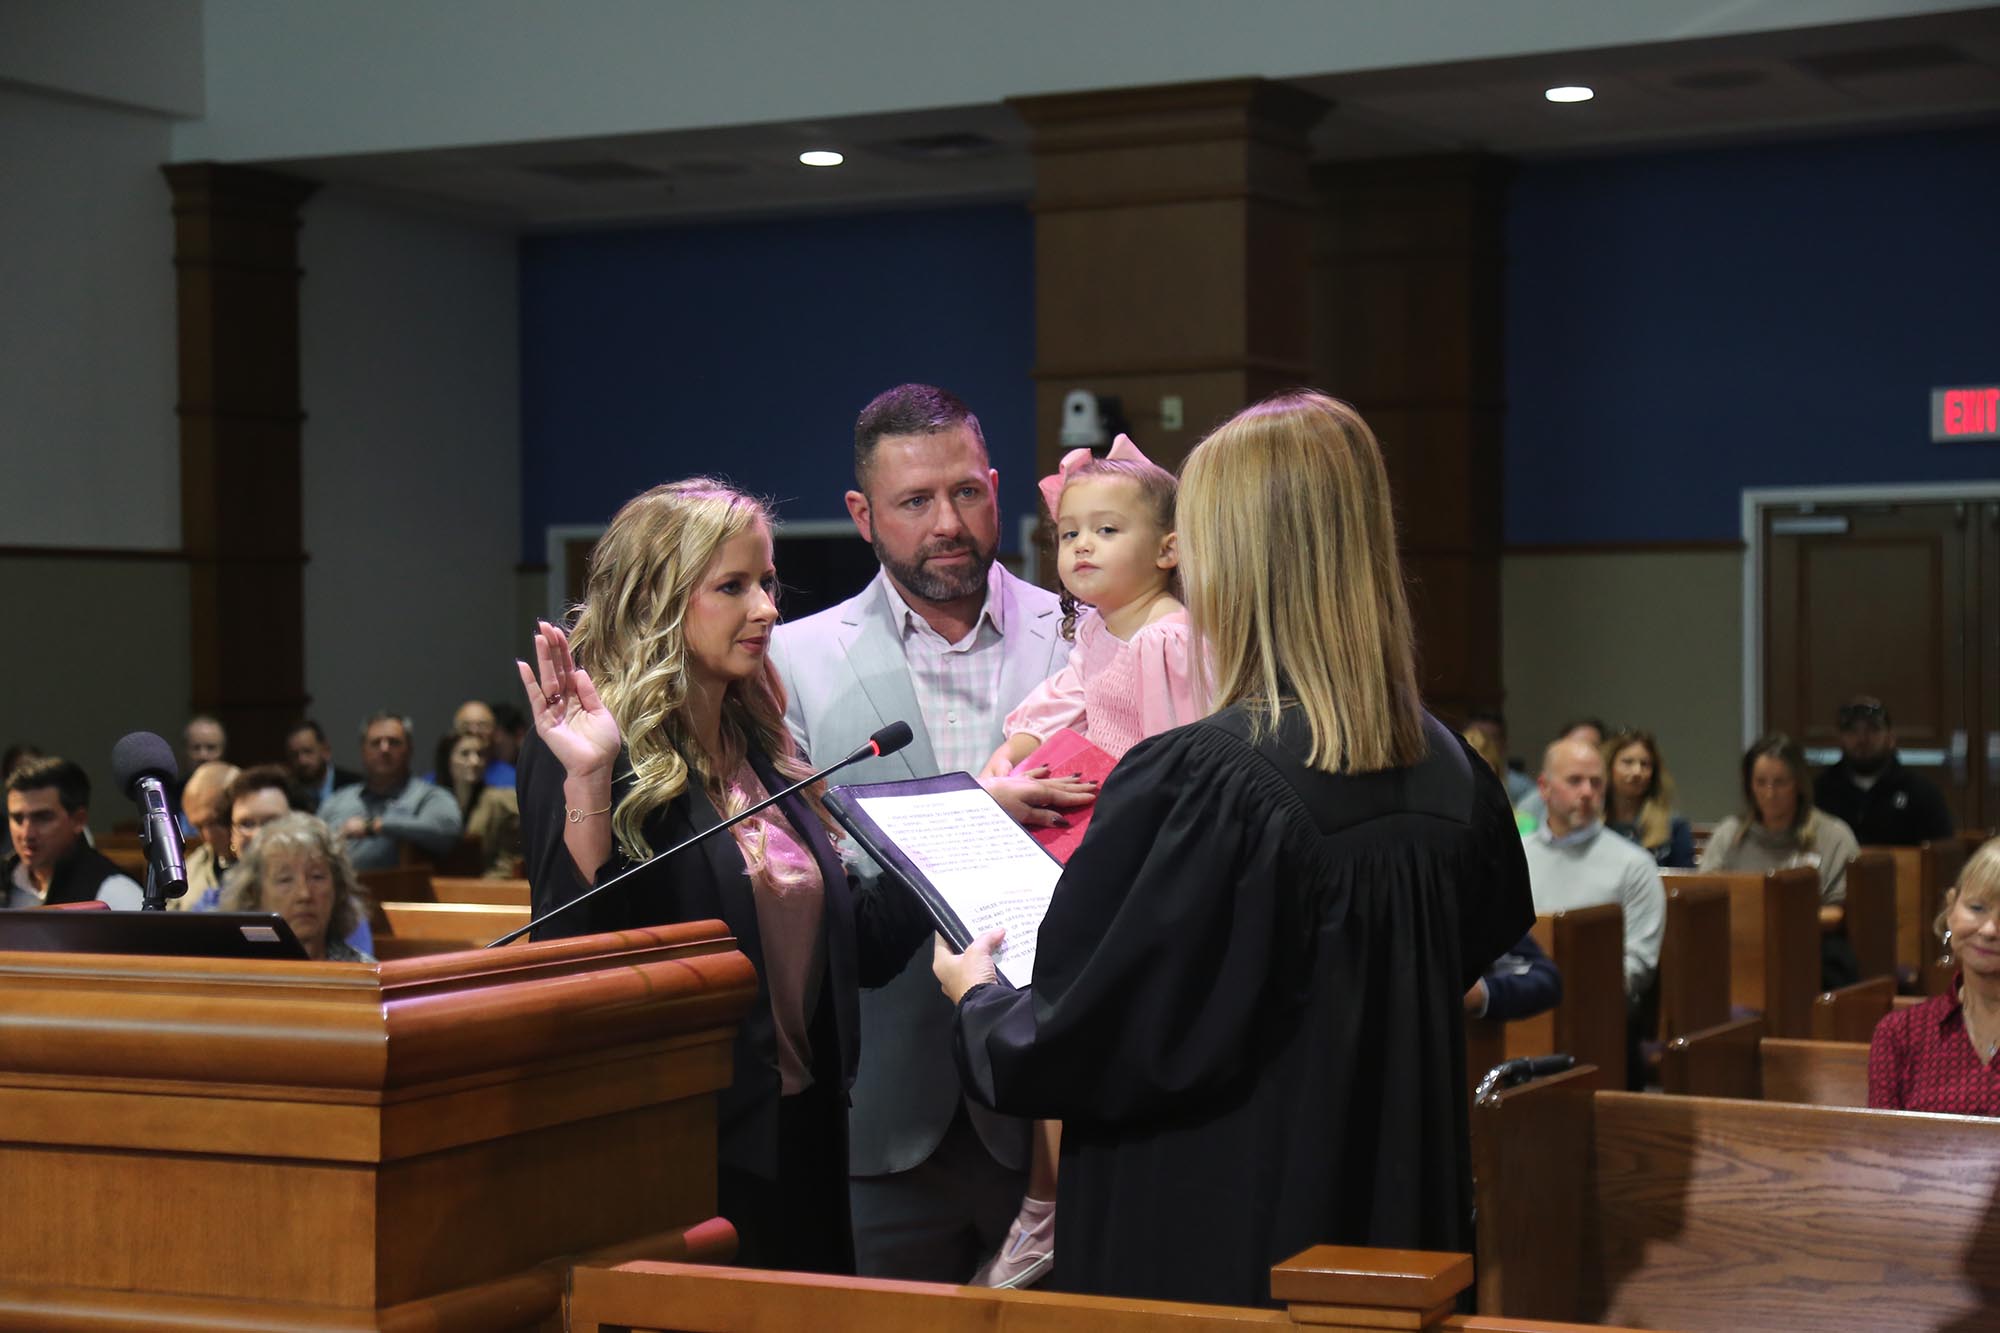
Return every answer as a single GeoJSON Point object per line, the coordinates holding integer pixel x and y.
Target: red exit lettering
{"type": "Point", "coordinates": [1971, 411]}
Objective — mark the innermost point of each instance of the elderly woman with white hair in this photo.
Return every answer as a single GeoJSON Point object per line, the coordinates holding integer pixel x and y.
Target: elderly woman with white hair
{"type": "Point", "coordinates": [296, 867]}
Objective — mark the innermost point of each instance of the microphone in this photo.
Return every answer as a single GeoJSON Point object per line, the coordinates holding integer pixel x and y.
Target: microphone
{"type": "Point", "coordinates": [1521, 1069]}
{"type": "Point", "coordinates": [142, 763]}
{"type": "Point", "coordinates": [884, 742]}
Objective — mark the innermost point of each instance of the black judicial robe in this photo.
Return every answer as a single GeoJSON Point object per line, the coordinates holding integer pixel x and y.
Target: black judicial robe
{"type": "Point", "coordinates": [1248, 1009]}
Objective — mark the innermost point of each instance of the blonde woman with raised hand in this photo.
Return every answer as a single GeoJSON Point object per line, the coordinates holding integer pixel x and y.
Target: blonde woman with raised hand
{"type": "Point", "coordinates": [657, 716]}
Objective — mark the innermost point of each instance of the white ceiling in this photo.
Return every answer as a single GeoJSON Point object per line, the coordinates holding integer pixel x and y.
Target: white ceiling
{"type": "Point", "coordinates": [1933, 70]}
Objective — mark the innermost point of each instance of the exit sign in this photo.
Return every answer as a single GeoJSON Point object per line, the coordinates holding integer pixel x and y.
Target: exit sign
{"type": "Point", "coordinates": [1965, 414]}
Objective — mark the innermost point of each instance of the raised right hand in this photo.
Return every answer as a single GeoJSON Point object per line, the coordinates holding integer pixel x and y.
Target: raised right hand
{"type": "Point", "coordinates": [569, 717]}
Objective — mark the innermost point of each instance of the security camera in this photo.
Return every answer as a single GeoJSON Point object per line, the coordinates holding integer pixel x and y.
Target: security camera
{"type": "Point", "coordinates": [1082, 425]}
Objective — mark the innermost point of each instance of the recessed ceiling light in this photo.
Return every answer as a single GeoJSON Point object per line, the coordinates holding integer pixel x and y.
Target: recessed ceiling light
{"type": "Point", "coordinates": [821, 157]}
{"type": "Point", "coordinates": [1569, 93]}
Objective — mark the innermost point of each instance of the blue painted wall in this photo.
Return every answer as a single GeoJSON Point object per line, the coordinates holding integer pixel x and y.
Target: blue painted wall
{"type": "Point", "coordinates": [1682, 326]}
{"type": "Point", "coordinates": [747, 349]}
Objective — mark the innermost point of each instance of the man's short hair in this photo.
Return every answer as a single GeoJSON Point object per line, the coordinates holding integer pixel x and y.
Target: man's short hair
{"type": "Point", "coordinates": [72, 784]}
{"type": "Point", "coordinates": [388, 715]}
{"type": "Point", "coordinates": [908, 409]}
{"type": "Point", "coordinates": [264, 777]}
{"type": "Point", "coordinates": [1594, 723]}
{"type": "Point", "coordinates": [307, 724]}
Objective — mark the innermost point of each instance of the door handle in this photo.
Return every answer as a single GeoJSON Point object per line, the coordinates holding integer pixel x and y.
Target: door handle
{"type": "Point", "coordinates": [1958, 756]}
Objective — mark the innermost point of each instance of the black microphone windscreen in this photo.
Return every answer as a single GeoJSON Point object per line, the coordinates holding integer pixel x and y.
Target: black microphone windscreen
{"type": "Point", "coordinates": [139, 755]}
{"type": "Point", "coordinates": [891, 738]}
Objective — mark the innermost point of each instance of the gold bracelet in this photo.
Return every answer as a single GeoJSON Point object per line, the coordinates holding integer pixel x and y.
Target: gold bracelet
{"type": "Point", "coordinates": [578, 816]}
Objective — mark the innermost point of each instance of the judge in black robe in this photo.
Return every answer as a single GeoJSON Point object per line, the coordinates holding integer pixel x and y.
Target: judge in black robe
{"type": "Point", "coordinates": [1247, 1009]}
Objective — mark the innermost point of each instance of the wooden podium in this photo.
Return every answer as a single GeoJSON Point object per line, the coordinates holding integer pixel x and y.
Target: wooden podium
{"type": "Point", "coordinates": [427, 1144]}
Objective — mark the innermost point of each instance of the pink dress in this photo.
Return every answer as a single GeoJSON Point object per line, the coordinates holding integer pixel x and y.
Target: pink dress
{"type": "Point", "coordinates": [1116, 691]}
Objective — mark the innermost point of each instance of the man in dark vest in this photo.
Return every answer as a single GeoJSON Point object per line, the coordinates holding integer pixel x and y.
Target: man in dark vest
{"type": "Point", "coordinates": [48, 809]}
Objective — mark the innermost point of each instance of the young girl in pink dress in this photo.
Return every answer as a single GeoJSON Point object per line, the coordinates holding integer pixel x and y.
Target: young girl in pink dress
{"type": "Point", "coordinates": [1129, 676]}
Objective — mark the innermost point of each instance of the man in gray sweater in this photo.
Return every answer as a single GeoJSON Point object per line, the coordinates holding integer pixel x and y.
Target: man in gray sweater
{"type": "Point", "coordinates": [388, 807]}
{"type": "Point", "coordinates": [1574, 862]}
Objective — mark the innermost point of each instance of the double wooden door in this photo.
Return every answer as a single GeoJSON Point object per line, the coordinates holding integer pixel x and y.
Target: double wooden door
{"type": "Point", "coordinates": [1900, 601]}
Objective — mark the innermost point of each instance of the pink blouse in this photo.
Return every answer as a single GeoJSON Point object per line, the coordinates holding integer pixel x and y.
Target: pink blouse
{"type": "Point", "coordinates": [1115, 691]}
{"type": "Point", "coordinates": [790, 895]}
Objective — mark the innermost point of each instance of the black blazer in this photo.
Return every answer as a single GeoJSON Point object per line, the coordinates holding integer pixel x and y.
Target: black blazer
{"type": "Point", "coordinates": [709, 881]}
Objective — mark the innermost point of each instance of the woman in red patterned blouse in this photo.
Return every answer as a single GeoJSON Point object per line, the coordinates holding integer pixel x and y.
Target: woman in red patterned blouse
{"type": "Point", "coordinates": [1938, 1056]}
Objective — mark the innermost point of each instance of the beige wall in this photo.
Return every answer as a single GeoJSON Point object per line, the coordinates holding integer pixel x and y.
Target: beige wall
{"type": "Point", "coordinates": [1648, 639]}
{"type": "Point", "coordinates": [108, 654]}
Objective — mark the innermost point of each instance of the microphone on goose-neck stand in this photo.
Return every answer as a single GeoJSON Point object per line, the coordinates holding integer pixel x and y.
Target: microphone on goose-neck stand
{"type": "Point", "coordinates": [144, 764]}
{"type": "Point", "coordinates": [884, 742]}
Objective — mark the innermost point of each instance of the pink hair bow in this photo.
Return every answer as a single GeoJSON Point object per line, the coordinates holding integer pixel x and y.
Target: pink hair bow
{"type": "Point", "coordinates": [1052, 487]}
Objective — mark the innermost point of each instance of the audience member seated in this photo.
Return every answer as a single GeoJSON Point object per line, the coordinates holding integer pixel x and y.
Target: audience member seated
{"type": "Point", "coordinates": [17, 754]}
{"type": "Point", "coordinates": [492, 814]}
{"type": "Point", "coordinates": [310, 762]}
{"type": "Point", "coordinates": [1591, 732]}
{"type": "Point", "coordinates": [1639, 804]}
{"type": "Point", "coordinates": [1522, 982]}
{"type": "Point", "coordinates": [48, 809]}
{"type": "Point", "coordinates": [389, 807]}
{"type": "Point", "coordinates": [205, 806]}
{"type": "Point", "coordinates": [1491, 726]}
{"type": "Point", "coordinates": [258, 797]}
{"type": "Point", "coordinates": [1884, 803]}
{"type": "Point", "coordinates": [474, 718]}
{"type": "Point", "coordinates": [1572, 864]}
{"type": "Point", "coordinates": [264, 795]}
{"type": "Point", "coordinates": [1938, 1056]}
{"type": "Point", "coordinates": [1779, 828]}
{"type": "Point", "coordinates": [203, 741]}
{"type": "Point", "coordinates": [510, 732]}
{"type": "Point", "coordinates": [296, 868]}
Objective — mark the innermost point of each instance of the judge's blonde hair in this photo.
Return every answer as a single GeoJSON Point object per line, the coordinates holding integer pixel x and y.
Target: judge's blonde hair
{"type": "Point", "coordinates": [631, 637]}
{"type": "Point", "coordinates": [1293, 581]}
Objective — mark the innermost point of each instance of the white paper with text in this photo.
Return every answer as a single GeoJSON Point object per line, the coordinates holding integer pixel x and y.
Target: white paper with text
{"type": "Point", "coordinates": [981, 862]}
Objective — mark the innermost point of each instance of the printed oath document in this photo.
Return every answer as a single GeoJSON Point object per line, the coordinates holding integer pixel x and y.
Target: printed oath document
{"type": "Point", "coordinates": [947, 841]}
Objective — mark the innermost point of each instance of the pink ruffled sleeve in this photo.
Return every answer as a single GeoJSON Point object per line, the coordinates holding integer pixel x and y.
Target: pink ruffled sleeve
{"type": "Point", "coordinates": [1056, 703]}
{"type": "Point", "coordinates": [1162, 655]}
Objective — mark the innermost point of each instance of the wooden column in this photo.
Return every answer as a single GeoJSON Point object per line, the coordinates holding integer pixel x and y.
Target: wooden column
{"type": "Point", "coordinates": [1173, 227]}
{"type": "Point", "coordinates": [236, 257]}
{"type": "Point", "coordinates": [1406, 293]}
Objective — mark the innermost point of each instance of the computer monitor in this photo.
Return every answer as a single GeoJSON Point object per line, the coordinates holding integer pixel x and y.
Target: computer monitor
{"type": "Point", "coordinates": [178, 934]}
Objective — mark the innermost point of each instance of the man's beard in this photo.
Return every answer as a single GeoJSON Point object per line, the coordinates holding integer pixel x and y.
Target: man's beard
{"type": "Point", "coordinates": [940, 585]}
{"type": "Point", "coordinates": [1868, 768]}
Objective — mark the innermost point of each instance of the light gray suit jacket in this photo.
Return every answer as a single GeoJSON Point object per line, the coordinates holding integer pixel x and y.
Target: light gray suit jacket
{"type": "Point", "coordinates": [845, 678]}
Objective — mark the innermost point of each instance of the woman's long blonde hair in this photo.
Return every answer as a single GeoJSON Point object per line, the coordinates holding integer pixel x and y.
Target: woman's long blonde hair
{"type": "Point", "coordinates": [1289, 558]}
{"type": "Point", "coordinates": [1654, 823]}
{"type": "Point", "coordinates": [630, 636]}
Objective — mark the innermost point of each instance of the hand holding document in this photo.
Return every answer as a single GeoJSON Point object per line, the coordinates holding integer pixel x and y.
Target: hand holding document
{"type": "Point", "coordinates": [948, 842]}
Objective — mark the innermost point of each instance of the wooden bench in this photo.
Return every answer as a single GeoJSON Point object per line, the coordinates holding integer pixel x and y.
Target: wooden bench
{"type": "Point", "coordinates": [1694, 958]}
{"type": "Point", "coordinates": [458, 889]}
{"type": "Point", "coordinates": [1736, 1059]}
{"type": "Point", "coordinates": [1774, 947]}
{"type": "Point", "coordinates": [1587, 944]}
{"type": "Point", "coordinates": [1922, 875]}
{"type": "Point", "coordinates": [413, 929]}
{"type": "Point", "coordinates": [1328, 1288]}
{"type": "Point", "coordinates": [1700, 1213]}
{"type": "Point", "coordinates": [1851, 1013]}
{"type": "Point", "coordinates": [1871, 912]}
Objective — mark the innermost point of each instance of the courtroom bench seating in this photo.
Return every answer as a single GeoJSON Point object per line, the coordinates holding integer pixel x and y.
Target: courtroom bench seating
{"type": "Point", "coordinates": [1736, 1059]}
{"type": "Point", "coordinates": [1587, 944]}
{"type": "Point", "coordinates": [1700, 1213]}
{"type": "Point", "coordinates": [1774, 951]}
